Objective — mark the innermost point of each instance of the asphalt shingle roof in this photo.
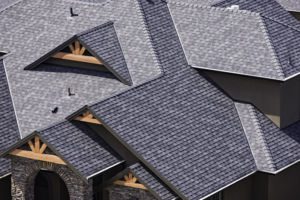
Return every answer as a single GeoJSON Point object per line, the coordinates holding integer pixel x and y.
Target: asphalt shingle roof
{"type": "Point", "coordinates": [104, 43]}
{"type": "Point", "coordinates": [282, 28]}
{"type": "Point", "coordinates": [9, 133]}
{"type": "Point", "coordinates": [81, 147]}
{"type": "Point", "coordinates": [152, 182]}
{"type": "Point", "coordinates": [264, 46]}
{"type": "Point", "coordinates": [32, 28]}
{"type": "Point", "coordinates": [184, 129]}
{"type": "Point", "coordinates": [5, 166]}
{"type": "Point", "coordinates": [272, 147]}
{"type": "Point", "coordinates": [290, 5]}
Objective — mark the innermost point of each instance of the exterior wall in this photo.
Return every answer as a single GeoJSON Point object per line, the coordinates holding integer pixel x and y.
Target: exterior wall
{"type": "Point", "coordinates": [5, 188]}
{"type": "Point", "coordinates": [285, 185]}
{"type": "Point", "coordinates": [241, 190]}
{"type": "Point", "coordinates": [23, 176]}
{"type": "Point", "coordinates": [126, 193]}
{"type": "Point", "coordinates": [263, 93]}
{"type": "Point", "coordinates": [290, 101]}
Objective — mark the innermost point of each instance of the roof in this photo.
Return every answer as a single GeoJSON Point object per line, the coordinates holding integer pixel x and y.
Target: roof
{"type": "Point", "coordinates": [9, 133]}
{"type": "Point", "coordinates": [32, 28]}
{"type": "Point", "coordinates": [152, 182]}
{"type": "Point", "coordinates": [5, 167]}
{"type": "Point", "coordinates": [103, 43]}
{"type": "Point", "coordinates": [290, 5]}
{"type": "Point", "coordinates": [213, 39]}
{"type": "Point", "coordinates": [80, 147]}
{"type": "Point", "coordinates": [273, 148]}
{"type": "Point", "coordinates": [174, 120]}
{"type": "Point", "coordinates": [6, 3]}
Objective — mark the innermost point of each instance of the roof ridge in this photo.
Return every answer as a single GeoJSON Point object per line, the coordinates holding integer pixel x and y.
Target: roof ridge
{"type": "Point", "coordinates": [244, 12]}
{"type": "Point", "coordinates": [275, 20]}
{"type": "Point", "coordinates": [10, 5]}
{"type": "Point", "coordinates": [259, 132]}
{"type": "Point", "coordinates": [94, 28]}
{"type": "Point", "coordinates": [141, 14]}
{"type": "Point", "coordinates": [270, 45]}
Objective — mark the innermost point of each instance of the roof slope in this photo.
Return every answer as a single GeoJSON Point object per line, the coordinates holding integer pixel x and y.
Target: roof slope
{"type": "Point", "coordinates": [39, 26]}
{"type": "Point", "coordinates": [273, 148]}
{"type": "Point", "coordinates": [264, 46]}
{"type": "Point", "coordinates": [103, 42]}
{"type": "Point", "coordinates": [179, 124]}
{"type": "Point", "coordinates": [152, 182]}
{"type": "Point", "coordinates": [290, 5]}
{"type": "Point", "coordinates": [81, 147]}
{"type": "Point", "coordinates": [9, 133]}
{"type": "Point", "coordinates": [283, 30]}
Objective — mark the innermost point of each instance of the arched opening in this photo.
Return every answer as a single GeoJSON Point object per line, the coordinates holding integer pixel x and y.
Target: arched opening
{"type": "Point", "coordinates": [49, 186]}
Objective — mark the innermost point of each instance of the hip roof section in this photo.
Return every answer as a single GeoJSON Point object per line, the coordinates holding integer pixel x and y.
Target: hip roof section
{"type": "Point", "coordinates": [32, 28]}
{"type": "Point", "coordinates": [258, 39]}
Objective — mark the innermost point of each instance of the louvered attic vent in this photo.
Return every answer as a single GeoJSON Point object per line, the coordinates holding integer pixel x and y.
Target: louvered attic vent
{"type": "Point", "coordinates": [95, 49]}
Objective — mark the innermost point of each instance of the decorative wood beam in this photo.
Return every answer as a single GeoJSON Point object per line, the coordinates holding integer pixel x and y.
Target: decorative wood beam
{"type": "Point", "coordinates": [77, 58]}
{"type": "Point", "coordinates": [82, 50]}
{"type": "Point", "coordinates": [130, 181]}
{"type": "Point", "coordinates": [36, 144]}
{"type": "Point", "coordinates": [43, 148]}
{"type": "Point", "coordinates": [38, 156]}
{"type": "Point", "coordinates": [77, 47]}
{"type": "Point", "coordinates": [133, 185]}
{"type": "Point", "coordinates": [31, 145]}
{"type": "Point", "coordinates": [71, 47]}
{"type": "Point", "coordinates": [88, 118]}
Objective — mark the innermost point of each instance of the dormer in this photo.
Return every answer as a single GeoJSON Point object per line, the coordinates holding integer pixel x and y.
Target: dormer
{"type": "Point", "coordinates": [96, 49]}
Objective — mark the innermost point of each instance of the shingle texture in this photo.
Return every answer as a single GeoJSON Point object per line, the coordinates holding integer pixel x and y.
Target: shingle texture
{"type": "Point", "coordinates": [81, 147]}
{"type": "Point", "coordinates": [213, 38]}
{"type": "Point", "coordinates": [6, 3]}
{"type": "Point", "coordinates": [9, 133]}
{"type": "Point", "coordinates": [152, 182]}
{"type": "Point", "coordinates": [180, 125]}
{"type": "Point", "coordinates": [32, 28]}
{"type": "Point", "coordinates": [282, 28]}
{"type": "Point", "coordinates": [5, 167]}
{"type": "Point", "coordinates": [290, 5]}
{"type": "Point", "coordinates": [104, 43]}
{"type": "Point", "coordinates": [282, 146]}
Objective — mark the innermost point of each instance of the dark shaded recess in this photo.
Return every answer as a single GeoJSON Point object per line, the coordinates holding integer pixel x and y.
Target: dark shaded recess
{"type": "Point", "coordinates": [49, 186]}
{"type": "Point", "coordinates": [81, 69]}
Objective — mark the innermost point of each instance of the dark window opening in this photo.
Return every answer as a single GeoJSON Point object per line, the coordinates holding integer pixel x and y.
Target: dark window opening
{"type": "Point", "coordinates": [49, 186]}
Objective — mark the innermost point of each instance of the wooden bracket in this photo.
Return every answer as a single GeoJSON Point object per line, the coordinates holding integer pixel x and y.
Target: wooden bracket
{"type": "Point", "coordinates": [37, 152]}
{"type": "Point", "coordinates": [77, 55]}
{"type": "Point", "coordinates": [130, 181]}
{"type": "Point", "coordinates": [88, 118]}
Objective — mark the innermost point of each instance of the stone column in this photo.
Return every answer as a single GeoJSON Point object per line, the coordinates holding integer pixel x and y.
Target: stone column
{"type": "Point", "coordinates": [24, 172]}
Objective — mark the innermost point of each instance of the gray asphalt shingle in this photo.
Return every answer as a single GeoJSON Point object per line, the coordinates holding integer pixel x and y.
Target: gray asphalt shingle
{"type": "Point", "coordinates": [32, 28]}
{"type": "Point", "coordinates": [274, 147]}
{"type": "Point", "coordinates": [104, 43]}
{"type": "Point", "coordinates": [9, 133]}
{"type": "Point", "coordinates": [152, 182]}
{"type": "Point", "coordinates": [183, 128]}
{"type": "Point", "coordinates": [84, 149]}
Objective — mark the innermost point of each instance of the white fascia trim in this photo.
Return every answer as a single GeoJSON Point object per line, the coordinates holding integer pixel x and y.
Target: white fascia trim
{"type": "Point", "coordinates": [219, 190]}
{"type": "Point", "coordinates": [99, 172]}
{"type": "Point", "coordinates": [11, 96]}
{"type": "Point", "coordinates": [1, 177]}
{"type": "Point", "coordinates": [235, 73]}
{"type": "Point", "coordinates": [280, 170]}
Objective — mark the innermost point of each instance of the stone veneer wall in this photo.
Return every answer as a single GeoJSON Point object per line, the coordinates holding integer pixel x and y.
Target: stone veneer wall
{"type": "Point", "coordinates": [116, 192]}
{"type": "Point", "coordinates": [24, 172]}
